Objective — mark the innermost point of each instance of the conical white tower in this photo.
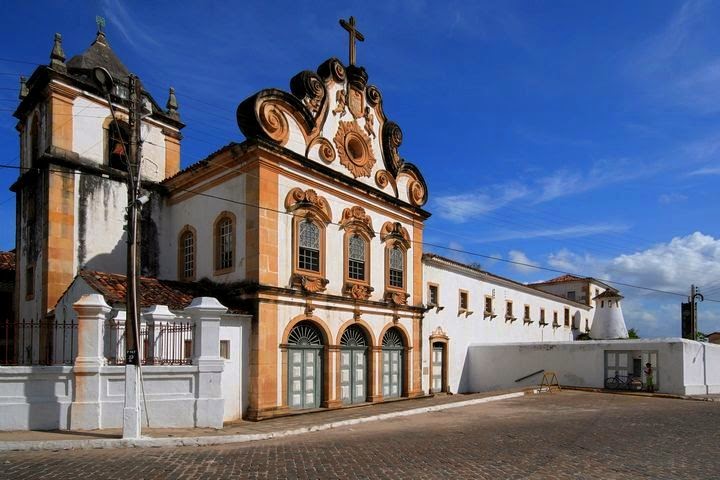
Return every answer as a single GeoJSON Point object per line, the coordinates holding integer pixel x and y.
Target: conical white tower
{"type": "Point", "coordinates": [608, 322]}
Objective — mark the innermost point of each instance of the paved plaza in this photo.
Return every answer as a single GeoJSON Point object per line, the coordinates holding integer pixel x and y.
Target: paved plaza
{"type": "Point", "coordinates": [560, 435]}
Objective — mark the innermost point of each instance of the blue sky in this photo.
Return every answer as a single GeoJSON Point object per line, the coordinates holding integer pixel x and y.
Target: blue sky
{"type": "Point", "coordinates": [578, 136]}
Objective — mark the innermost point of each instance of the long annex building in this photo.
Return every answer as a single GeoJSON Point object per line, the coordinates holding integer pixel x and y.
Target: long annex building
{"type": "Point", "coordinates": [313, 225]}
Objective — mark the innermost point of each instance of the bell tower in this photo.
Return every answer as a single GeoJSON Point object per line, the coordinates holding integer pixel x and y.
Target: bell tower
{"type": "Point", "coordinates": [71, 192]}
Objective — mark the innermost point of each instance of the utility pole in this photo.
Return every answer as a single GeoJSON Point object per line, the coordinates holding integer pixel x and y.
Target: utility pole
{"type": "Point", "coordinates": [694, 294]}
{"type": "Point", "coordinates": [131, 411]}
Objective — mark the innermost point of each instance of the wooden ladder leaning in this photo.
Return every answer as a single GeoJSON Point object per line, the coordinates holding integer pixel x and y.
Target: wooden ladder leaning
{"type": "Point", "coordinates": [549, 381]}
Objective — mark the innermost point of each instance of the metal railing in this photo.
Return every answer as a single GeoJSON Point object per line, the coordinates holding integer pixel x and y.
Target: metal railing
{"type": "Point", "coordinates": [160, 343]}
{"type": "Point", "coordinates": [37, 342]}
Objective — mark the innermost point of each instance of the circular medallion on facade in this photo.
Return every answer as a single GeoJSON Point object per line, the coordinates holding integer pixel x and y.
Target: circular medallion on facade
{"type": "Point", "coordinates": [354, 150]}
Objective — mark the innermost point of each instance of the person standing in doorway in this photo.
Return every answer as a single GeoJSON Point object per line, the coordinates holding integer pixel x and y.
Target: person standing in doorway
{"type": "Point", "coordinates": [649, 377]}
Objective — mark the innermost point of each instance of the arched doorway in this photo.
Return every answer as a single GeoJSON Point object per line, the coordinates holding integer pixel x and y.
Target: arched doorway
{"type": "Point", "coordinates": [393, 351]}
{"type": "Point", "coordinates": [438, 367]}
{"type": "Point", "coordinates": [353, 365]}
{"type": "Point", "coordinates": [305, 366]}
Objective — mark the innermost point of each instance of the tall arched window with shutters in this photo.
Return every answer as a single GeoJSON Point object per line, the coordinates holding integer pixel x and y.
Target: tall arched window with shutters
{"type": "Point", "coordinates": [224, 243]}
{"type": "Point", "coordinates": [187, 248]}
{"type": "Point", "coordinates": [308, 255]}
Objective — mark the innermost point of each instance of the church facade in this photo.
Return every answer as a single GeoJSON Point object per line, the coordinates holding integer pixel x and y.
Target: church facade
{"type": "Point", "coordinates": [313, 225]}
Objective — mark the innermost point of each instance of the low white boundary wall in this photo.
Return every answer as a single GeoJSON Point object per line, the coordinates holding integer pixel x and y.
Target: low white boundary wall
{"type": "Point", "coordinates": [90, 394]}
{"type": "Point", "coordinates": [684, 367]}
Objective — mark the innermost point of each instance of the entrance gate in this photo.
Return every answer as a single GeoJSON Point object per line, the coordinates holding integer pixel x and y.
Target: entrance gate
{"type": "Point", "coordinates": [392, 352]}
{"type": "Point", "coordinates": [305, 366]}
{"type": "Point", "coordinates": [353, 365]}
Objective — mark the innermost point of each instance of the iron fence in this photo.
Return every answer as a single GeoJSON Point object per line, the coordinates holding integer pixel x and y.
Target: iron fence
{"type": "Point", "coordinates": [37, 342]}
{"type": "Point", "coordinates": [160, 343]}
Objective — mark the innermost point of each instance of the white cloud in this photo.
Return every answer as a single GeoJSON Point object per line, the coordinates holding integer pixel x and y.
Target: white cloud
{"type": "Point", "coordinates": [573, 231]}
{"type": "Point", "coordinates": [671, 266]}
{"type": "Point", "coordinates": [524, 264]}
{"type": "Point", "coordinates": [466, 206]}
{"type": "Point", "coordinates": [568, 261]}
{"type": "Point", "coordinates": [670, 198]}
{"type": "Point", "coordinates": [706, 171]}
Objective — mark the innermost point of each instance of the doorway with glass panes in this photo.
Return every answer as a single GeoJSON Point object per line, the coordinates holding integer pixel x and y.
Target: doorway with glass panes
{"type": "Point", "coordinates": [354, 365]}
{"type": "Point", "coordinates": [305, 366]}
{"type": "Point", "coordinates": [393, 360]}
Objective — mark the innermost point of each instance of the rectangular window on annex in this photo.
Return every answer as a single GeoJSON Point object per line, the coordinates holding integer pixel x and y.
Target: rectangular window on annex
{"type": "Point", "coordinates": [433, 295]}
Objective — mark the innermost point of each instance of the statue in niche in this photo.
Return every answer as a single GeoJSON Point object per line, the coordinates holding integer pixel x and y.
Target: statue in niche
{"type": "Point", "coordinates": [369, 122]}
{"type": "Point", "coordinates": [341, 101]}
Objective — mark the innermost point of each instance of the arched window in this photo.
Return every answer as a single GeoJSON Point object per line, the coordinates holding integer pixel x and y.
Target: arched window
{"type": "Point", "coordinates": [396, 267]}
{"type": "Point", "coordinates": [308, 246]}
{"type": "Point", "coordinates": [186, 254]}
{"type": "Point", "coordinates": [118, 145]}
{"type": "Point", "coordinates": [356, 258]}
{"type": "Point", "coordinates": [224, 243]}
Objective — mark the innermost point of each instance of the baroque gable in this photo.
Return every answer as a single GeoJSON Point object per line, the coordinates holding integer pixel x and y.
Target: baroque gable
{"type": "Point", "coordinates": [333, 117]}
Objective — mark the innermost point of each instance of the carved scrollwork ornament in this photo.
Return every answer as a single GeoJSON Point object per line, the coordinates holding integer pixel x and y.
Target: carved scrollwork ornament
{"type": "Point", "coordinates": [326, 152]}
{"type": "Point", "coordinates": [357, 291]}
{"type": "Point", "coordinates": [273, 121]}
{"type": "Point", "coordinates": [416, 193]}
{"type": "Point", "coordinates": [309, 88]}
{"type": "Point", "coordinates": [354, 150]}
{"type": "Point", "coordinates": [373, 95]}
{"type": "Point", "coordinates": [395, 230]}
{"type": "Point", "coordinates": [383, 179]}
{"type": "Point", "coordinates": [309, 284]}
{"type": "Point", "coordinates": [392, 139]}
{"type": "Point", "coordinates": [299, 198]}
{"type": "Point", "coordinates": [356, 216]}
{"type": "Point", "coordinates": [332, 68]}
{"type": "Point", "coordinates": [398, 298]}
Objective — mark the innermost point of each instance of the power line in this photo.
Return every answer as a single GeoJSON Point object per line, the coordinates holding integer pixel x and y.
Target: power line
{"type": "Point", "coordinates": [428, 244]}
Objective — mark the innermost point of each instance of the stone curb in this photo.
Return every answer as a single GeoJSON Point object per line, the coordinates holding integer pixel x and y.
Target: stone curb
{"type": "Point", "coordinates": [673, 396]}
{"type": "Point", "coordinates": [204, 441]}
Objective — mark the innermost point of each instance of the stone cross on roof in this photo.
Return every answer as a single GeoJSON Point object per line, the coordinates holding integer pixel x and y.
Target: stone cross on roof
{"type": "Point", "coordinates": [354, 35]}
{"type": "Point", "coordinates": [100, 23]}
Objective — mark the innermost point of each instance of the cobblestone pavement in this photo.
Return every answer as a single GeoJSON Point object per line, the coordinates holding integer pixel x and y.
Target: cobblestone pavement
{"type": "Point", "coordinates": [559, 435]}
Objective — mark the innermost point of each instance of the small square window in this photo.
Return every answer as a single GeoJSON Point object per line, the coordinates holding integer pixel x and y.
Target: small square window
{"type": "Point", "coordinates": [433, 295]}
{"type": "Point", "coordinates": [225, 349]}
{"type": "Point", "coordinates": [571, 295]}
{"type": "Point", "coordinates": [463, 300]}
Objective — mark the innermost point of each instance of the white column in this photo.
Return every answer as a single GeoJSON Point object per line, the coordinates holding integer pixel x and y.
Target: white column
{"type": "Point", "coordinates": [206, 313]}
{"type": "Point", "coordinates": [85, 412]}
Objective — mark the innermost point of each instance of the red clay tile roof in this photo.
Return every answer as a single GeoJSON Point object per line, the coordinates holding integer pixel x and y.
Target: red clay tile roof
{"type": "Point", "coordinates": [563, 278]}
{"type": "Point", "coordinates": [7, 261]}
{"type": "Point", "coordinates": [609, 293]}
{"type": "Point", "coordinates": [152, 291]}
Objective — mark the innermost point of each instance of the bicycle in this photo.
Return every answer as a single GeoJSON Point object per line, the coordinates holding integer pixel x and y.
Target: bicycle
{"type": "Point", "coordinates": [623, 382]}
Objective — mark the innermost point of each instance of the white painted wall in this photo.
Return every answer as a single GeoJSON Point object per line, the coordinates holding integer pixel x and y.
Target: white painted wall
{"type": "Point", "coordinates": [200, 212]}
{"type": "Point", "coordinates": [680, 365]}
{"type": "Point", "coordinates": [465, 330]}
{"type": "Point", "coordinates": [36, 398]}
{"type": "Point", "coordinates": [236, 374]}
